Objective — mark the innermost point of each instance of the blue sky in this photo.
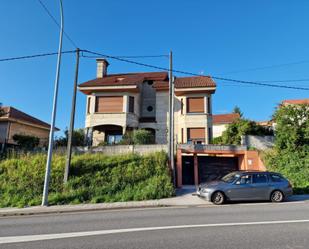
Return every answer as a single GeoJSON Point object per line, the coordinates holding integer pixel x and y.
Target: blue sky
{"type": "Point", "coordinates": [220, 38]}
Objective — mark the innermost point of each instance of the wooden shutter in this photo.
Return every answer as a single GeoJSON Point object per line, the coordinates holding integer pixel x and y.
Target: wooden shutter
{"type": "Point", "coordinates": [195, 105]}
{"type": "Point", "coordinates": [196, 133]}
{"type": "Point", "coordinates": [109, 104]}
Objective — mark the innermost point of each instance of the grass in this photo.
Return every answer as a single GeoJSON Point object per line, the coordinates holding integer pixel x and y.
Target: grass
{"type": "Point", "coordinates": [93, 178]}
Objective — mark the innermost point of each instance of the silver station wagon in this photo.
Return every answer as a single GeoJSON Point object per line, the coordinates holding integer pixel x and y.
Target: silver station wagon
{"type": "Point", "coordinates": [246, 186]}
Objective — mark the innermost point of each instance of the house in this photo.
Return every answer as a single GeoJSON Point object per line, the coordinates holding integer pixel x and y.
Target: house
{"type": "Point", "coordinates": [295, 102]}
{"type": "Point", "coordinates": [117, 103]}
{"type": "Point", "coordinates": [17, 122]}
{"type": "Point", "coordinates": [221, 121]}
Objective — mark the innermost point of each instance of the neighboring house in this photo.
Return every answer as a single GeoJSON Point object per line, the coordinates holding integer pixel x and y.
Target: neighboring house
{"type": "Point", "coordinates": [295, 102]}
{"type": "Point", "coordinates": [117, 103]}
{"type": "Point", "coordinates": [17, 122]}
{"type": "Point", "coordinates": [221, 121]}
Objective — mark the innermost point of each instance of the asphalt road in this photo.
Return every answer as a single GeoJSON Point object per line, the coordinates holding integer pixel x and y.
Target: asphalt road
{"type": "Point", "coordinates": [259, 225]}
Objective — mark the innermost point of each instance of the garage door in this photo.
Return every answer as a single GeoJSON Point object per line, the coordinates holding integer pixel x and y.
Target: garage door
{"type": "Point", "coordinates": [213, 168]}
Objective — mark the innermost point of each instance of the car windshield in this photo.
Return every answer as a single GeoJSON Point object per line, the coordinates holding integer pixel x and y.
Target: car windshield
{"type": "Point", "coordinates": [230, 177]}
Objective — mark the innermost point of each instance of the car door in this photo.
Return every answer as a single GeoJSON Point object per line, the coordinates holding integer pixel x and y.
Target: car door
{"type": "Point", "coordinates": [260, 186]}
{"type": "Point", "coordinates": [241, 189]}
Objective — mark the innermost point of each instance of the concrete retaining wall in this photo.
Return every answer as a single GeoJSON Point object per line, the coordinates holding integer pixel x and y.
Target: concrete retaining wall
{"type": "Point", "coordinates": [123, 149]}
{"type": "Point", "coordinates": [258, 142]}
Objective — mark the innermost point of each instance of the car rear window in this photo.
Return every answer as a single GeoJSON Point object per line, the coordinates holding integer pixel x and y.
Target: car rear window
{"type": "Point", "coordinates": [276, 178]}
{"type": "Point", "coordinates": [259, 178]}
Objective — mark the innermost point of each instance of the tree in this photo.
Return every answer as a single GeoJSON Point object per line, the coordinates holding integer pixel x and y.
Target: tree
{"type": "Point", "coordinates": [78, 138]}
{"type": "Point", "coordinates": [241, 127]}
{"type": "Point", "coordinates": [237, 110]}
{"type": "Point", "coordinates": [290, 155]}
{"type": "Point", "coordinates": [292, 127]}
{"type": "Point", "coordinates": [26, 142]}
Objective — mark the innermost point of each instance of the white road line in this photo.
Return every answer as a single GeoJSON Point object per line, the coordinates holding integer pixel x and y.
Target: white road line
{"type": "Point", "coordinates": [40, 237]}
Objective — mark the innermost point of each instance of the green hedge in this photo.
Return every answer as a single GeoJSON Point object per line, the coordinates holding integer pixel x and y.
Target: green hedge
{"type": "Point", "coordinates": [93, 178]}
{"type": "Point", "coordinates": [293, 165]}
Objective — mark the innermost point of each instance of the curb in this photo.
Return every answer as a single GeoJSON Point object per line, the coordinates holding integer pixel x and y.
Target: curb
{"type": "Point", "coordinates": [38, 210]}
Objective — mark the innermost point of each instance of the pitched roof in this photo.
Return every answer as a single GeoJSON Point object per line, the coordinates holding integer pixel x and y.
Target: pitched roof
{"type": "Point", "coordinates": [225, 118]}
{"type": "Point", "coordinates": [295, 101]}
{"type": "Point", "coordinates": [197, 81]}
{"type": "Point", "coordinates": [125, 79]}
{"type": "Point", "coordinates": [12, 113]}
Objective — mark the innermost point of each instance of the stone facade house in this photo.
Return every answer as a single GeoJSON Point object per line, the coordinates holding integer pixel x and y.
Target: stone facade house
{"type": "Point", "coordinates": [117, 103]}
{"type": "Point", "coordinates": [17, 122]}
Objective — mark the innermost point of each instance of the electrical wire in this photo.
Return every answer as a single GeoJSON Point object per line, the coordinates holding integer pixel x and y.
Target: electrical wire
{"type": "Point", "coordinates": [56, 22]}
{"type": "Point", "coordinates": [35, 55]}
{"type": "Point", "coordinates": [195, 74]}
{"type": "Point", "coordinates": [130, 56]}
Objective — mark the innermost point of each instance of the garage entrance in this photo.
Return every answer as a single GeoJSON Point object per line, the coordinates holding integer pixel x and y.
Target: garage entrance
{"type": "Point", "coordinates": [213, 168]}
{"type": "Point", "coordinates": [187, 170]}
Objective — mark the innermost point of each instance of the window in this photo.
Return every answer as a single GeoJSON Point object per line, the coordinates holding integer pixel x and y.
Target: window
{"type": "Point", "coordinates": [245, 179]}
{"type": "Point", "coordinates": [208, 105]}
{"type": "Point", "coordinates": [131, 104]}
{"type": "Point", "coordinates": [109, 104]}
{"type": "Point", "coordinates": [210, 134]}
{"type": "Point", "coordinates": [259, 178]}
{"type": "Point", "coordinates": [88, 105]}
{"type": "Point", "coordinates": [150, 108]}
{"type": "Point", "coordinates": [195, 105]}
{"type": "Point", "coordinates": [276, 178]}
{"type": "Point", "coordinates": [181, 106]}
{"type": "Point", "coordinates": [229, 178]}
{"type": "Point", "coordinates": [196, 135]}
{"type": "Point", "coordinates": [113, 139]}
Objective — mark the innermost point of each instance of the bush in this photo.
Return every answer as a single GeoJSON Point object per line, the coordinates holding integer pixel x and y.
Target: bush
{"type": "Point", "coordinates": [93, 178]}
{"type": "Point", "coordinates": [26, 142]}
{"type": "Point", "coordinates": [290, 155]}
{"type": "Point", "coordinates": [294, 166]}
{"type": "Point", "coordinates": [140, 136]}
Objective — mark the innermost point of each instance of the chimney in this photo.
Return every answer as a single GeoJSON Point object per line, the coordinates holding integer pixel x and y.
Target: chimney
{"type": "Point", "coordinates": [102, 65]}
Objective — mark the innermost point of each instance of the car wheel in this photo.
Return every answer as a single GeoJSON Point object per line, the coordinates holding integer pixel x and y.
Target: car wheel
{"type": "Point", "coordinates": [276, 196]}
{"type": "Point", "coordinates": [218, 198]}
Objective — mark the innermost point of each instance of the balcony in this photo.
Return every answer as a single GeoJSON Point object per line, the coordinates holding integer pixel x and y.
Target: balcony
{"type": "Point", "coordinates": [123, 119]}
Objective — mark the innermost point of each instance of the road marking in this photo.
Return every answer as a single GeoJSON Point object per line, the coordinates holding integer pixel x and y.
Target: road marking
{"type": "Point", "coordinates": [40, 237]}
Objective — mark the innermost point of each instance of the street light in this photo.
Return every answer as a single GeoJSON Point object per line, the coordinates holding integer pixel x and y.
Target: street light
{"type": "Point", "coordinates": [53, 117]}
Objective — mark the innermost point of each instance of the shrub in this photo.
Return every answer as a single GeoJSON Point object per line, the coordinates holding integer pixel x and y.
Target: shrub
{"type": "Point", "coordinates": [25, 141]}
{"type": "Point", "coordinates": [93, 178]}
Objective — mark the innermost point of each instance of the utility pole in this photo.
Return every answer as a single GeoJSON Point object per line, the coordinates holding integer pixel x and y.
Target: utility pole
{"type": "Point", "coordinates": [171, 119]}
{"type": "Point", "coordinates": [71, 129]}
{"type": "Point", "coordinates": [53, 117]}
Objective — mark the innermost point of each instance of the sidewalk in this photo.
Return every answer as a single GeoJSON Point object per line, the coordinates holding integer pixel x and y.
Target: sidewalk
{"type": "Point", "coordinates": [184, 197]}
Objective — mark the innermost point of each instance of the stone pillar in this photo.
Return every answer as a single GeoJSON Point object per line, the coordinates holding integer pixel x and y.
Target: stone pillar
{"type": "Point", "coordinates": [195, 169]}
{"type": "Point", "coordinates": [88, 136]}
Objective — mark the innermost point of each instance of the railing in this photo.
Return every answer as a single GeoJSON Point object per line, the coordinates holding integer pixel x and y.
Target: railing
{"type": "Point", "coordinates": [212, 147]}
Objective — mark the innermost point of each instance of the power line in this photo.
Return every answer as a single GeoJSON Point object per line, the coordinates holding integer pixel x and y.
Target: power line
{"type": "Point", "coordinates": [131, 56]}
{"type": "Point", "coordinates": [56, 22]}
{"type": "Point", "coordinates": [266, 67]}
{"type": "Point", "coordinates": [195, 74]}
{"type": "Point", "coordinates": [34, 56]}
